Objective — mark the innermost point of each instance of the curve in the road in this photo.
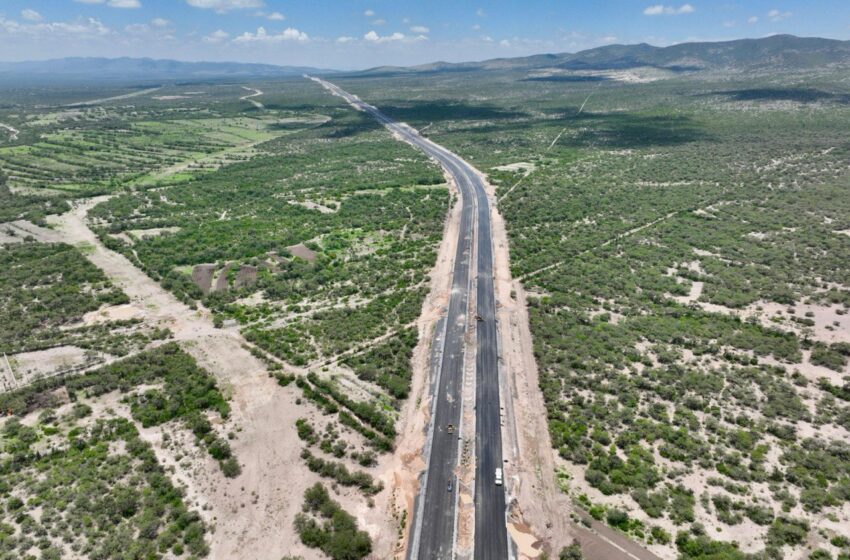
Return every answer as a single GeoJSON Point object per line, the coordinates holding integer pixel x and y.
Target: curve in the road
{"type": "Point", "coordinates": [434, 529]}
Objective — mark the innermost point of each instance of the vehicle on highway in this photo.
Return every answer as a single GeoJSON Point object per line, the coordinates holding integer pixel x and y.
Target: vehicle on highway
{"type": "Point", "coordinates": [450, 428]}
{"type": "Point", "coordinates": [498, 477]}
{"type": "Point", "coordinates": [450, 486]}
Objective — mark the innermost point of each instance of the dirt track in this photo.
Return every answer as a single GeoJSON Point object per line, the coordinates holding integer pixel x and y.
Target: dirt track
{"type": "Point", "coordinates": [252, 514]}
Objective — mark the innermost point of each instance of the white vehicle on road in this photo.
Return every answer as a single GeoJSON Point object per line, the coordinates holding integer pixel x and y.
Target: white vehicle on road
{"type": "Point", "coordinates": [498, 477]}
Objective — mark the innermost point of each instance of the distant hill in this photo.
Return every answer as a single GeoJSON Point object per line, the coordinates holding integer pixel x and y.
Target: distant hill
{"type": "Point", "coordinates": [140, 69]}
{"type": "Point", "coordinates": [775, 52]}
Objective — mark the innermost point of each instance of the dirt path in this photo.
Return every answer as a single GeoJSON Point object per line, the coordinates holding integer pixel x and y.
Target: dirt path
{"type": "Point", "coordinates": [617, 237]}
{"type": "Point", "coordinates": [254, 102]}
{"type": "Point", "coordinates": [252, 514]}
{"type": "Point", "coordinates": [114, 98]}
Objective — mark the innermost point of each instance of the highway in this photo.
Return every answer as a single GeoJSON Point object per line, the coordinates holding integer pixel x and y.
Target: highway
{"type": "Point", "coordinates": [433, 527]}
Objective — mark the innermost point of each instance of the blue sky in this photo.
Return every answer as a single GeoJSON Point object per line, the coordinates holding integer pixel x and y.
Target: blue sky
{"type": "Point", "coordinates": [347, 34]}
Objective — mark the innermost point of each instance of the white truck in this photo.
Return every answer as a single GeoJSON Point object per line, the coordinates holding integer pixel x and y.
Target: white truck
{"type": "Point", "coordinates": [498, 477]}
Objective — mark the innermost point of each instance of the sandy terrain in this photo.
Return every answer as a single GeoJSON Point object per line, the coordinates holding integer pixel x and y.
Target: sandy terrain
{"type": "Point", "coordinates": [314, 206]}
{"type": "Point", "coordinates": [111, 313]}
{"type": "Point", "coordinates": [302, 251]}
{"type": "Point", "coordinates": [19, 230]}
{"type": "Point", "coordinates": [524, 167]}
{"type": "Point", "coordinates": [150, 232]}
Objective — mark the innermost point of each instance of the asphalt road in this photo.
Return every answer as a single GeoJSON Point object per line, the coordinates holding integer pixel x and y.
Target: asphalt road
{"type": "Point", "coordinates": [434, 530]}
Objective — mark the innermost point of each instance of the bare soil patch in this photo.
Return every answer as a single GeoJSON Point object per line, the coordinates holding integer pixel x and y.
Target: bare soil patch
{"type": "Point", "coordinates": [29, 366]}
{"type": "Point", "coordinates": [202, 275]}
{"type": "Point", "coordinates": [302, 251]}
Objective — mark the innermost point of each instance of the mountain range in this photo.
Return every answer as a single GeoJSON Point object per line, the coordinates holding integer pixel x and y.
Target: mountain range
{"type": "Point", "coordinates": [774, 52]}
{"type": "Point", "coordinates": [777, 52]}
{"type": "Point", "coordinates": [124, 69]}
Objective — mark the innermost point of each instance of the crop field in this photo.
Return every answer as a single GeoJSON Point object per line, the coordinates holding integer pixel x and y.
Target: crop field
{"type": "Point", "coordinates": [101, 158]}
{"type": "Point", "coordinates": [684, 249]}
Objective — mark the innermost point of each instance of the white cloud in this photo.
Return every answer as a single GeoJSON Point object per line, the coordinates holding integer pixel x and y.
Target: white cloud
{"type": "Point", "coordinates": [276, 16]}
{"type": "Point", "coordinates": [776, 15]}
{"type": "Point", "coordinates": [160, 22]}
{"type": "Point", "coordinates": [31, 15]}
{"type": "Point", "coordinates": [504, 43]}
{"type": "Point", "coordinates": [480, 12]}
{"type": "Point", "coordinates": [369, 13]}
{"type": "Point", "coordinates": [729, 24]}
{"type": "Point", "coordinates": [137, 28]}
{"type": "Point", "coordinates": [345, 39]}
{"type": "Point", "coordinates": [662, 10]}
{"type": "Point", "coordinates": [405, 20]}
{"type": "Point", "coordinates": [114, 3]}
{"type": "Point", "coordinates": [218, 36]}
{"type": "Point", "coordinates": [476, 27]}
{"type": "Point", "coordinates": [380, 22]}
{"type": "Point", "coordinates": [222, 6]}
{"type": "Point", "coordinates": [262, 36]}
{"type": "Point", "coordinates": [753, 19]}
{"type": "Point", "coordinates": [419, 29]}
{"type": "Point", "coordinates": [87, 27]}
{"type": "Point", "coordinates": [373, 37]}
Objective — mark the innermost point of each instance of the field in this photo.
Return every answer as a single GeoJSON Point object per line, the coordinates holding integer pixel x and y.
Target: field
{"type": "Point", "coordinates": [682, 245]}
{"type": "Point", "coordinates": [286, 246]}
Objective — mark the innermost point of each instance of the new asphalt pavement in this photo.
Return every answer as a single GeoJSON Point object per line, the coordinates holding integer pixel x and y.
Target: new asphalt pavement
{"type": "Point", "coordinates": [433, 529]}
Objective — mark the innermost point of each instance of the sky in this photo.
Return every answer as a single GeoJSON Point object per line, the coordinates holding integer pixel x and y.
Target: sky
{"type": "Point", "coordinates": [355, 34]}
